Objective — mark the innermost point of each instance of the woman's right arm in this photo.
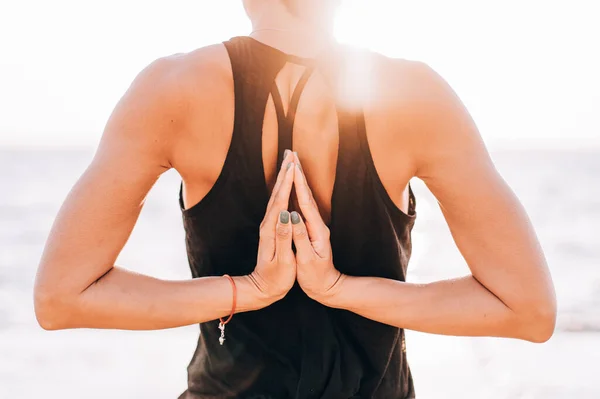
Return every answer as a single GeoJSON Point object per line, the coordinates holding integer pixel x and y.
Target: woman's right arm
{"type": "Point", "coordinates": [78, 284]}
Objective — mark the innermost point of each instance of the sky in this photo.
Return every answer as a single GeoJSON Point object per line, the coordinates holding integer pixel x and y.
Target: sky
{"type": "Point", "coordinates": [526, 70]}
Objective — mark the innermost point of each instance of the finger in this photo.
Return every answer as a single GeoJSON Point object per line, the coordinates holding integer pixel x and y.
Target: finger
{"type": "Point", "coordinates": [287, 158]}
{"type": "Point", "coordinates": [297, 161]}
{"type": "Point", "coordinates": [283, 239]}
{"type": "Point", "coordinates": [316, 227]}
{"type": "Point", "coordinates": [280, 203]}
{"type": "Point", "coordinates": [281, 198]}
{"type": "Point", "coordinates": [280, 175]}
{"type": "Point", "coordinates": [304, 249]}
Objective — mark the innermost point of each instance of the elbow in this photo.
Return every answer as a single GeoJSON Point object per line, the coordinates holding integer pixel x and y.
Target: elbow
{"type": "Point", "coordinates": [50, 310]}
{"type": "Point", "coordinates": [538, 325]}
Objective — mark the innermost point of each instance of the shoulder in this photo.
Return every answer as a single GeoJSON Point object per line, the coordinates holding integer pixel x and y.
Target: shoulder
{"type": "Point", "coordinates": [164, 98]}
{"type": "Point", "coordinates": [410, 109]}
{"type": "Point", "coordinates": [422, 111]}
{"type": "Point", "coordinates": [401, 82]}
{"type": "Point", "coordinates": [176, 81]}
{"type": "Point", "coordinates": [385, 86]}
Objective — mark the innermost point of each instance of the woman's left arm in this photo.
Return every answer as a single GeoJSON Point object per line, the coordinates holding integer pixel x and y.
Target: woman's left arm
{"type": "Point", "coordinates": [510, 291]}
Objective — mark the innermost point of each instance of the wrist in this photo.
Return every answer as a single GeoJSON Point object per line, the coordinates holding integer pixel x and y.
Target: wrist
{"type": "Point", "coordinates": [258, 297]}
{"type": "Point", "coordinates": [249, 296]}
{"type": "Point", "coordinates": [332, 297]}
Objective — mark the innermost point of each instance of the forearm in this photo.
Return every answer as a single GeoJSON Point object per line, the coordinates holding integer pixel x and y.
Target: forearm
{"type": "Point", "coordinates": [461, 307]}
{"type": "Point", "coordinates": [122, 299]}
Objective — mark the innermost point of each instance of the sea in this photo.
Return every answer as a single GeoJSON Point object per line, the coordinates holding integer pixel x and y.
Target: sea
{"type": "Point", "coordinates": [560, 189]}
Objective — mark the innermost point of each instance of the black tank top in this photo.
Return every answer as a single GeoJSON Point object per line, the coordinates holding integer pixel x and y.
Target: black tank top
{"type": "Point", "coordinates": [296, 348]}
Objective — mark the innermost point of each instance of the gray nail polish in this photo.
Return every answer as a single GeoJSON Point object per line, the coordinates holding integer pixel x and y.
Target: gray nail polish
{"type": "Point", "coordinates": [289, 165]}
{"type": "Point", "coordinates": [284, 217]}
{"type": "Point", "coordinates": [295, 218]}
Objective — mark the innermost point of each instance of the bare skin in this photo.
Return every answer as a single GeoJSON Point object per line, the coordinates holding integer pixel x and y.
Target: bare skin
{"type": "Point", "coordinates": [178, 113]}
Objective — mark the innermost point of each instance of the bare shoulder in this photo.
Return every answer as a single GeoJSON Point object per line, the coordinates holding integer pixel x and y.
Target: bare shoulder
{"type": "Point", "coordinates": [203, 80]}
{"type": "Point", "coordinates": [207, 78]}
{"type": "Point", "coordinates": [178, 80]}
{"type": "Point", "coordinates": [392, 93]}
{"type": "Point", "coordinates": [408, 87]}
{"type": "Point", "coordinates": [423, 111]}
{"type": "Point", "coordinates": [166, 96]}
{"type": "Point", "coordinates": [204, 68]}
{"type": "Point", "coordinates": [396, 80]}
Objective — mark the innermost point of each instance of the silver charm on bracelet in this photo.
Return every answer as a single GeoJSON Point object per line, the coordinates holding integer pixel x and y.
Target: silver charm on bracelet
{"type": "Point", "coordinates": [222, 337]}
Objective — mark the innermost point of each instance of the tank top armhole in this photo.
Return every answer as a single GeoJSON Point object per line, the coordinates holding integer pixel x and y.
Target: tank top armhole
{"type": "Point", "coordinates": [412, 201]}
{"type": "Point", "coordinates": [233, 144]}
{"type": "Point", "coordinates": [411, 213]}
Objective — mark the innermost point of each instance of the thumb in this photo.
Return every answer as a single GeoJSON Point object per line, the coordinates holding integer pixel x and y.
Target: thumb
{"type": "Point", "coordinates": [283, 238]}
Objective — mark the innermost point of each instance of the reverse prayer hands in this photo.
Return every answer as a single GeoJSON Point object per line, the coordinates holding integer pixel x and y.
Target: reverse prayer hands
{"type": "Point", "coordinates": [315, 272]}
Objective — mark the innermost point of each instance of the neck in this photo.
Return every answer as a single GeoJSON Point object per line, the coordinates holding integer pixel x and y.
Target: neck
{"type": "Point", "coordinates": [291, 35]}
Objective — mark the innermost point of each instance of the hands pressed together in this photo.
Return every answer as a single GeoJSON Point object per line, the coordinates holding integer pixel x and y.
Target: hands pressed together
{"type": "Point", "coordinates": [277, 266]}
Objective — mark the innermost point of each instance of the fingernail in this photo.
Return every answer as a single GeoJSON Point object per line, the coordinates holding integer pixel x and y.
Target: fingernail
{"type": "Point", "coordinates": [284, 217]}
{"type": "Point", "coordinates": [289, 165]}
{"type": "Point", "coordinates": [285, 154]}
{"type": "Point", "coordinates": [295, 218]}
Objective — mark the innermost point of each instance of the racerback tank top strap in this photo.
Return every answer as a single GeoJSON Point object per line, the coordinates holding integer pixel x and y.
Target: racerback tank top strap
{"type": "Point", "coordinates": [285, 121]}
{"type": "Point", "coordinates": [255, 67]}
{"type": "Point", "coordinates": [253, 73]}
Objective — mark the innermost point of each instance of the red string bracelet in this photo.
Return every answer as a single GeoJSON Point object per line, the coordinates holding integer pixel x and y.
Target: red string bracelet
{"type": "Point", "coordinates": [221, 321]}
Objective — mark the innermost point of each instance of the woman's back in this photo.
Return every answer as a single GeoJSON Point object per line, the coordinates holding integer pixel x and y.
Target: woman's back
{"type": "Point", "coordinates": [298, 347]}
